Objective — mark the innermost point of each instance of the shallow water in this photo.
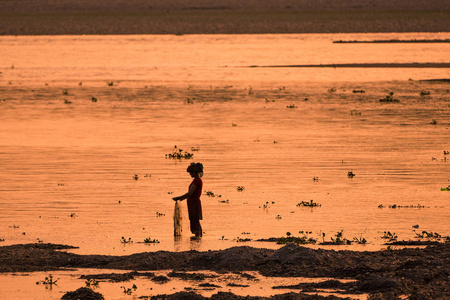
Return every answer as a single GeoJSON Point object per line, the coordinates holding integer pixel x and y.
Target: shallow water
{"type": "Point", "coordinates": [66, 170]}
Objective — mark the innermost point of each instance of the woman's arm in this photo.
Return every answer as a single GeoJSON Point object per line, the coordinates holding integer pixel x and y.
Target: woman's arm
{"type": "Point", "coordinates": [187, 195]}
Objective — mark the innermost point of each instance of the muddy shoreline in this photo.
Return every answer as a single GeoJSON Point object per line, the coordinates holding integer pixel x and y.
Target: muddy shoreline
{"type": "Point", "coordinates": [29, 17]}
{"type": "Point", "coordinates": [418, 273]}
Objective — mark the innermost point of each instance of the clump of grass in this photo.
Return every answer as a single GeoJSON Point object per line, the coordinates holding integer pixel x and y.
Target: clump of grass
{"type": "Point", "coordinates": [239, 240]}
{"type": "Point", "coordinates": [428, 235]}
{"type": "Point", "coordinates": [311, 203]}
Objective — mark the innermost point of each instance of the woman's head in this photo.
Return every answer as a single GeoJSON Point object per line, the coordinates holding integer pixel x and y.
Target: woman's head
{"type": "Point", "coordinates": [195, 169]}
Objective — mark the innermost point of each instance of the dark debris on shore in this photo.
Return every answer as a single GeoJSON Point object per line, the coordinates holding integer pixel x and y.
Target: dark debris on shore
{"type": "Point", "coordinates": [416, 273]}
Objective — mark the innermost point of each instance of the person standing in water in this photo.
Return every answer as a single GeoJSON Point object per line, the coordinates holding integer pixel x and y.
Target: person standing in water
{"type": "Point", "coordinates": [193, 198]}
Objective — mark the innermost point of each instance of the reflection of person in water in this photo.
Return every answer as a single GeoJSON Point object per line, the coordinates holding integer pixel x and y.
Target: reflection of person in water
{"type": "Point", "coordinates": [193, 198]}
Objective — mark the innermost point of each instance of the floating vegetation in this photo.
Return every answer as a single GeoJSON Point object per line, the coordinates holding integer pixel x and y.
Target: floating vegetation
{"type": "Point", "coordinates": [311, 203]}
{"type": "Point", "coordinates": [434, 122]}
{"type": "Point", "coordinates": [332, 90]}
{"type": "Point", "coordinates": [278, 217]}
{"type": "Point", "coordinates": [446, 152]}
{"type": "Point", "coordinates": [211, 194]}
{"type": "Point", "coordinates": [135, 176]}
{"type": "Point", "coordinates": [65, 92]}
{"type": "Point", "coordinates": [395, 206]}
{"type": "Point", "coordinates": [240, 188]}
{"type": "Point", "coordinates": [359, 91]}
{"type": "Point", "coordinates": [48, 281]}
{"type": "Point", "coordinates": [300, 240]}
{"type": "Point", "coordinates": [129, 291]}
{"type": "Point", "coordinates": [195, 148]}
{"type": "Point", "coordinates": [389, 98]}
{"type": "Point", "coordinates": [158, 214]}
{"type": "Point", "coordinates": [80, 83]}
{"type": "Point", "coordinates": [267, 100]}
{"type": "Point", "coordinates": [224, 201]}
{"type": "Point", "coordinates": [150, 241]}
{"type": "Point", "coordinates": [425, 93]}
{"type": "Point", "coordinates": [239, 240]}
{"type": "Point", "coordinates": [445, 188]}
{"type": "Point", "coordinates": [354, 112]}
{"type": "Point", "coordinates": [189, 101]}
{"type": "Point", "coordinates": [291, 106]}
{"type": "Point", "coordinates": [2, 240]}
{"type": "Point", "coordinates": [73, 215]}
{"type": "Point", "coordinates": [93, 99]}
{"type": "Point", "coordinates": [67, 101]}
{"type": "Point", "coordinates": [350, 174]}
{"type": "Point", "coordinates": [315, 179]}
{"type": "Point", "coordinates": [110, 83]}
{"type": "Point", "coordinates": [179, 154]}
{"type": "Point", "coordinates": [125, 241]}
{"type": "Point", "coordinates": [233, 124]}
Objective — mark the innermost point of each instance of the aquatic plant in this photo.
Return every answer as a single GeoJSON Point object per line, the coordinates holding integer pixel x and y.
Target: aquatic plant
{"type": "Point", "coordinates": [359, 91]}
{"type": "Point", "coordinates": [389, 236]}
{"type": "Point", "coordinates": [240, 188]}
{"type": "Point", "coordinates": [189, 101]}
{"type": "Point", "coordinates": [424, 93]}
{"type": "Point", "coordinates": [278, 217]}
{"type": "Point", "coordinates": [315, 178]}
{"type": "Point", "coordinates": [125, 241]}
{"type": "Point", "coordinates": [179, 154]}
{"type": "Point", "coordinates": [65, 92]}
{"type": "Point", "coordinates": [48, 281]}
{"type": "Point", "coordinates": [361, 240]}
{"type": "Point", "coordinates": [67, 101]}
{"type": "Point", "coordinates": [135, 176]}
{"type": "Point", "coordinates": [389, 98]}
{"type": "Point", "coordinates": [150, 241]}
{"type": "Point", "coordinates": [332, 90]}
{"type": "Point", "coordinates": [158, 214]}
{"type": "Point", "coordinates": [339, 239]}
{"type": "Point", "coordinates": [309, 204]}
{"type": "Point", "coordinates": [302, 240]}
{"type": "Point", "coordinates": [129, 291]}
{"type": "Point", "coordinates": [91, 283]}
{"type": "Point", "coordinates": [433, 122]}
{"type": "Point", "coordinates": [428, 235]}
{"type": "Point", "coordinates": [110, 83]}
{"type": "Point", "coordinates": [291, 106]}
{"type": "Point", "coordinates": [354, 112]}
{"type": "Point", "coordinates": [350, 174]}
{"type": "Point", "coordinates": [2, 240]}
{"type": "Point", "coordinates": [224, 201]}
{"type": "Point", "coordinates": [93, 99]}
{"type": "Point", "coordinates": [195, 148]}
{"type": "Point", "coordinates": [211, 194]}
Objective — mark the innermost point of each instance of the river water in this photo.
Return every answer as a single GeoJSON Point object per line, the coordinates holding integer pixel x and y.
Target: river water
{"type": "Point", "coordinates": [67, 164]}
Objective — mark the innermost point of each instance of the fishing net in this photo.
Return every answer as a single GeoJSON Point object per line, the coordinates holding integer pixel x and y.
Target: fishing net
{"type": "Point", "coordinates": [177, 220]}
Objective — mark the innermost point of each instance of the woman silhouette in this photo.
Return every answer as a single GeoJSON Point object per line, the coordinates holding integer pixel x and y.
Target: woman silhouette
{"type": "Point", "coordinates": [193, 198]}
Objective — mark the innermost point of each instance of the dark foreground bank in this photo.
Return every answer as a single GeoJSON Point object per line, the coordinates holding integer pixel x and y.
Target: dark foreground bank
{"type": "Point", "coordinates": [29, 17]}
{"type": "Point", "coordinates": [416, 273]}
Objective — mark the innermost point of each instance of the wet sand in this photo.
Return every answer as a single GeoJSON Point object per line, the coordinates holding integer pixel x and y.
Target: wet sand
{"type": "Point", "coordinates": [221, 17]}
{"type": "Point", "coordinates": [417, 273]}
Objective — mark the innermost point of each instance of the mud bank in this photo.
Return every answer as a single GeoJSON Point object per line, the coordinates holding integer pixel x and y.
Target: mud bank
{"type": "Point", "coordinates": [417, 273]}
